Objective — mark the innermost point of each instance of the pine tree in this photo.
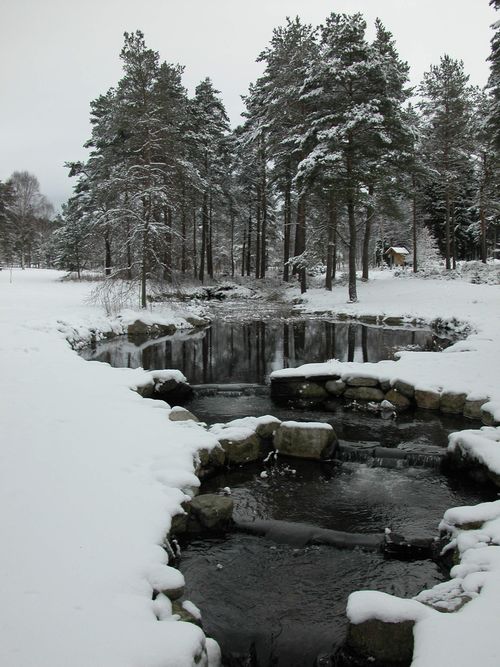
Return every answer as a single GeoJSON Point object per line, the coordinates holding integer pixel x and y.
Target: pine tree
{"type": "Point", "coordinates": [446, 104]}
{"type": "Point", "coordinates": [209, 127]}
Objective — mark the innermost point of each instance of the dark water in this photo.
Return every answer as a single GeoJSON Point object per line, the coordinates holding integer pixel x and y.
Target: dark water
{"type": "Point", "coordinates": [229, 352]}
{"type": "Point", "coordinates": [286, 605]}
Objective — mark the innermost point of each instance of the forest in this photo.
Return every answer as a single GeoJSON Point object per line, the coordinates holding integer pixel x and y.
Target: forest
{"type": "Point", "coordinates": [337, 159]}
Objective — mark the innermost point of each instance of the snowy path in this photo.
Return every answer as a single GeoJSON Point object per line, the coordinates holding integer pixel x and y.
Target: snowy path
{"type": "Point", "coordinates": [89, 476]}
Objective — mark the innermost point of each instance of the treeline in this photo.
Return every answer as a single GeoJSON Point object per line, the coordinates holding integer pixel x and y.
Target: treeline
{"type": "Point", "coordinates": [331, 165]}
{"type": "Point", "coordinates": [26, 223]}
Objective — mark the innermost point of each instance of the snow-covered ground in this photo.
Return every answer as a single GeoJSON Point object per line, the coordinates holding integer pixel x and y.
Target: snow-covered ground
{"type": "Point", "coordinates": [90, 474]}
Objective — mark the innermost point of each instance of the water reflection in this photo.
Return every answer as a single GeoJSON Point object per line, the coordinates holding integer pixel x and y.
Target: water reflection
{"type": "Point", "coordinates": [249, 351]}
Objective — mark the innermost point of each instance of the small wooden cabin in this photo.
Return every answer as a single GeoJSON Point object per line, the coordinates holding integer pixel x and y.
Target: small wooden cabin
{"type": "Point", "coordinates": [396, 256]}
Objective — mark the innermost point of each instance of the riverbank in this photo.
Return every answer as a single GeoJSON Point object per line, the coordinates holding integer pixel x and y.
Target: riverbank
{"type": "Point", "coordinates": [90, 476]}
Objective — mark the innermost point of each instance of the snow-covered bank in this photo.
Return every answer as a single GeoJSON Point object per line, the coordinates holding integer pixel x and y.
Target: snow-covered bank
{"type": "Point", "coordinates": [472, 367]}
{"type": "Point", "coordinates": [90, 476]}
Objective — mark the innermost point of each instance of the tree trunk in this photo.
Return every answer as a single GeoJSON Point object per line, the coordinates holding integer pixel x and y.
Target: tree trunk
{"type": "Point", "coordinates": [195, 248]}
{"type": "Point", "coordinates": [287, 218]}
{"type": "Point", "coordinates": [204, 231]}
{"type": "Point", "coordinates": [232, 242]}
{"type": "Point", "coordinates": [263, 204]}
{"type": "Point", "coordinates": [249, 243]}
{"type": "Point", "coordinates": [353, 296]}
{"type": "Point", "coordinates": [447, 252]}
{"type": "Point", "coordinates": [415, 262]}
{"type": "Point", "coordinates": [453, 240]}
{"type": "Point", "coordinates": [244, 250]}
{"type": "Point", "coordinates": [107, 252]}
{"type": "Point", "coordinates": [482, 218]}
{"type": "Point", "coordinates": [332, 241]}
{"type": "Point", "coordinates": [167, 255]}
{"type": "Point", "coordinates": [144, 264]}
{"type": "Point", "coordinates": [129, 253]}
{"type": "Point", "coordinates": [210, 256]}
{"type": "Point", "coordinates": [300, 240]}
{"type": "Point", "coordinates": [258, 236]}
{"type": "Point", "coordinates": [370, 212]}
{"type": "Point", "coordinates": [183, 235]}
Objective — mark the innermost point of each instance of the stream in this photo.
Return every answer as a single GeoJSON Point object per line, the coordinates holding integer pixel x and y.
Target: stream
{"type": "Point", "coordinates": [270, 602]}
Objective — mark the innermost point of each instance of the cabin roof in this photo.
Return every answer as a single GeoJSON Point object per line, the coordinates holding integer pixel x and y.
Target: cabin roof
{"type": "Point", "coordinates": [398, 250]}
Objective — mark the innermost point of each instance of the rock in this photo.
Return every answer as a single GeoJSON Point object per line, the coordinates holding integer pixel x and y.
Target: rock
{"type": "Point", "coordinates": [369, 319]}
{"type": "Point", "coordinates": [297, 388]}
{"type": "Point", "coordinates": [385, 643]}
{"type": "Point", "coordinates": [267, 429]}
{"type": "Point", "coordinates": [404, 388]}
{"type": "Point", "coordinates": [427, 400]}
{"type": "Point", "coordinates": [309, 440]}
{"type": "Point", "coordinates": [472, 409]}
{"type": "Point", "coordinates": [215, 456]}
{"type": "Point", "coordinates": [238, 447]}
{"type": "Point", "coordinates": [393, 321]}
{"type": "Point", "coordinates": [210, 460]}
{"type": "Point", "coordinates": [196, 321]}
{"type": "Point", "coordinates": [385, 385]}
{"type": "Point", "coordinates": [171, 390]}
{"type": "Point", "coordinates": [452, 403]}
{"type": "Point", "coordinates": [178, 414]}
{"type": "Point", "coordinates": [335, 387]}
{"type": "Point", "coordinates": [312, 390]}
{"type": "Point", "coordinates": [400, 401]}
{"type": "Point", "coordinates": [163, 329]}
{"type": "Point", "coordinates": [364, 393]}
{"type": "Point", "coordinates": [184, 614]}
{"type": "Point", "coordinates": [174, 593]}
{"type": "Point", "coordinates": [210, 512]}
{"type": "Point", "coordinates": [138, 328]}
{"type": "Point", "coordinates": [487, 417]}
{"type": "Point", "coordinates": [146, 390]}
{"type": "Point", "coordinates": [362, 382]}
{"type": "Point", "coordinates": [142, 330]}
{"type": "Point", "coordinates": [179, 522]}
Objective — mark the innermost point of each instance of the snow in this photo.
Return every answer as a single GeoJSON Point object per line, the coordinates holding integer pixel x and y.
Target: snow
{"type": "Point", "coordinates": [365, 605]}
{"type": "Point", "coordinates": [398, 250]}
{"type": "Point", "coordinates": [307, 425]}
{"type": "Point", "coordinates": [481, 445]}
{"type": "Point", "coordinates": [471, 366]}
{"type": "Point", "coordinates": [90, 475]}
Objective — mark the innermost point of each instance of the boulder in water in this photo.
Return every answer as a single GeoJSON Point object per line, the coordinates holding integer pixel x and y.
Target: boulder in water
{"type": "Point", "coordinates": [306, 440]}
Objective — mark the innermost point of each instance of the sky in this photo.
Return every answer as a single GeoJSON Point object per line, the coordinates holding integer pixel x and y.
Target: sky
{"type": "Point", "coordinates": [58, 55]}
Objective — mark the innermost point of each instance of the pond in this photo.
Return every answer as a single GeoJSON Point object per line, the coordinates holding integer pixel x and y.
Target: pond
{"type": "Point", "coordinates": [234, 351]}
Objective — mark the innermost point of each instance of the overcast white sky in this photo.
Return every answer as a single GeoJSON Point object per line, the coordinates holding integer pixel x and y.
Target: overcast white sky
{"type": "Point", "coordinates": [57, 55]}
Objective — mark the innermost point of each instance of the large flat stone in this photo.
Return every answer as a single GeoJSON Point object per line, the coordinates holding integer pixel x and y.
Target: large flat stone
{"type": "Point", "coordinates": [210, 512]}
{"type": "Point", "coordinates": [427, 400]}
{"type": "Point", "coordinates": [452, 403]}
{"type": "Point", "coordinates": [308, 440]}
{"type": "Point", "coordinates": [360, 381]}
{"type": "Point", "coordinates": [399, 400]}
{"type": "Point", "coordinates": [404, 388]}
{"type": "Point", "coordinates": [364, 393]}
